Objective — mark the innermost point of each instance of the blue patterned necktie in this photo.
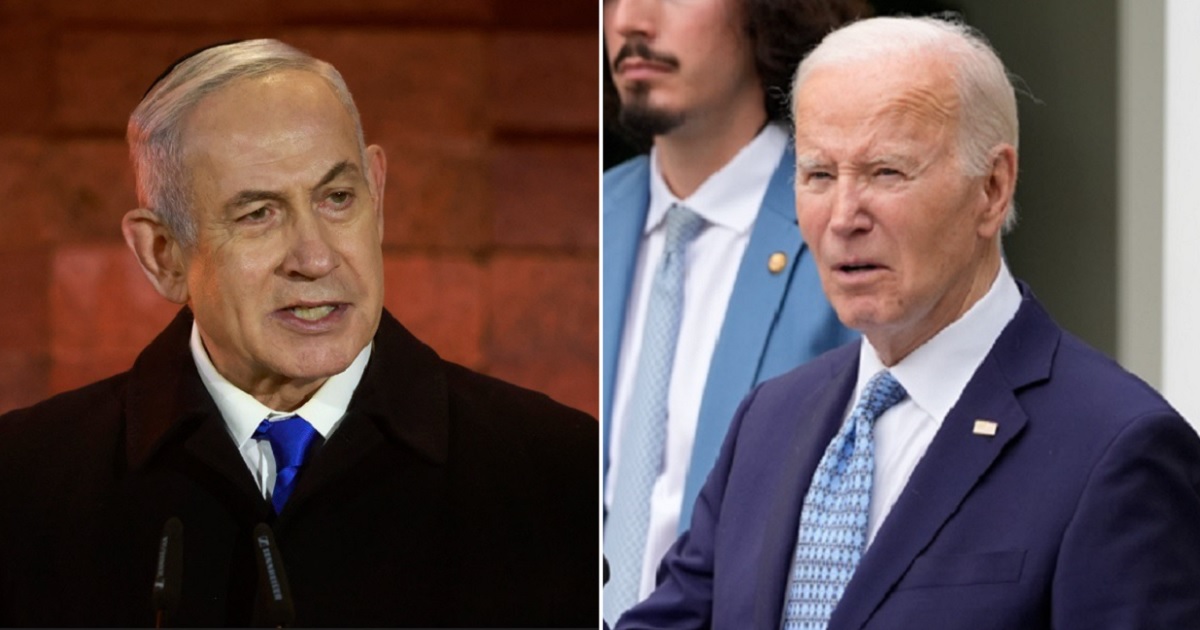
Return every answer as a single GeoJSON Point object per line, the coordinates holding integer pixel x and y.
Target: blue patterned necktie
{"type": "Point", "coordinates": [833, 521]}
{"type": "Point", "coordinates": [645, 430]}
{"type": "Point", "coordinates": [290, 439]}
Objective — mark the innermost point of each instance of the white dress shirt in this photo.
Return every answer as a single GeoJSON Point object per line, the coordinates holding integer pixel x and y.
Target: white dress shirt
{"type": "Point", "coordinates": [934, 375]}
{"type": "Point", "coordinates": [243, 413]}
{"type": "Point", "coordinates": [728, 201]}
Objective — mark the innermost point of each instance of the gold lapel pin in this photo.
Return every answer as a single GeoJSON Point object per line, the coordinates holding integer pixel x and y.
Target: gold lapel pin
{"type": "Point", "coordinates": [776, 262]}
{"type": "Point", "coordinates": [986, 428]}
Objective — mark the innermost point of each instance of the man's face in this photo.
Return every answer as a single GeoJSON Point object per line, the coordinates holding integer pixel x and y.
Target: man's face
{"type": "Point", "coordinates": [677, 60]}
{"type": "Point", "coordinates": [286, 276]}
{"type": "Point", "coordinates": [904, 241]}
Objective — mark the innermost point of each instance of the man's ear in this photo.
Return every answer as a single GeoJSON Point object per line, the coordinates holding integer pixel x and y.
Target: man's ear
{"type": "Point", "coordinates": [159, 253]}
{"type": "Point", "coordinates": [377, 176]}
{"type": "Point", "coordinates": [999, 185]}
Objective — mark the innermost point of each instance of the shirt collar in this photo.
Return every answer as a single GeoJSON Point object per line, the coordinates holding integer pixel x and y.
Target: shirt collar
{"type": "Point", "coordinates": [937, 372]}
{"type": "Point", "coordinates": [731, 196]}
{"type": "Point", "coordinates": [243, 413]}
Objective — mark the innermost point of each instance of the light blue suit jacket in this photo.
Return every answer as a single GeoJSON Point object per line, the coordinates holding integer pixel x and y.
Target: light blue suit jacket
{"type": "Point", "coordinates": [774, 322]}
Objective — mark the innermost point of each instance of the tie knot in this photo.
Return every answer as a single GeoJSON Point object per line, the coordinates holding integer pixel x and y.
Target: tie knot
{"type": "Point", "coordinates": [289, 438]}
{"type": "Point", "coordinates": [881, 393]}
{"type": "Point", "coordinates": [683, 224]}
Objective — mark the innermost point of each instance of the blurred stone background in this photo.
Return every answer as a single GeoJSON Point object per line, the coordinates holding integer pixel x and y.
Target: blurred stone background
{"type": "Point", "coordinates": [488, 111]}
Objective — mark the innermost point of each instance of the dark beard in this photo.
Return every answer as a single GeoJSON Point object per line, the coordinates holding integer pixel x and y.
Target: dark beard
{"type": "Point", "coordinates": [644, 120]}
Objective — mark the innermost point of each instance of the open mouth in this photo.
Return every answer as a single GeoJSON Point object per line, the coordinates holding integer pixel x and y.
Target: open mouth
{"type": "Point", "coordinates": [312, 313]}
{"type": "Point", "coordinates": [856, 268]}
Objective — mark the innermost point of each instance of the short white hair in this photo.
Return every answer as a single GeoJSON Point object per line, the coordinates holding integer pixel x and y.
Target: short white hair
{"type": "Point", "coordinates": [155, 131]}
{"type": "Point", "coordinates": [988, 102]}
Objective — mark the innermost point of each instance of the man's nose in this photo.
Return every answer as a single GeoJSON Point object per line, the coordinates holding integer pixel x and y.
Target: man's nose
{"type": "Point", "coordinates": [849, 212]}
{"type": "Point", "coordinates": [311, 251]}
{"type": "Point", "coordinates": [632, 17]}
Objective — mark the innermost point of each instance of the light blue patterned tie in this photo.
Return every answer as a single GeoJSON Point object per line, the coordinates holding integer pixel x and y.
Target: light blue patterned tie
{"type": "Point", "coordinates": [833, 521]}
{"type": "Point", "coordinates": [290, 439]}
{"type": "Point", "coordinates": [645, 431]}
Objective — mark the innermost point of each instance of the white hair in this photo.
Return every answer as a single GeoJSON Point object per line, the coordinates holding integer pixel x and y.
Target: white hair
{"type": "Point", "coordinates": [155, 131]}
{"type": "Point", "coordinates": [988, 111]}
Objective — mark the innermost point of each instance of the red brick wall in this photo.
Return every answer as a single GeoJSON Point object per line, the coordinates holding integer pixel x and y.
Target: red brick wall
{"type": "Point", "coordinates": [488, 111]}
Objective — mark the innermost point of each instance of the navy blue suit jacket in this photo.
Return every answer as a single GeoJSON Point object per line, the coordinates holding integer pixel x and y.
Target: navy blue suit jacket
{"type": "Point", "coordinates": [1081, 512]}
{"type": "Point", "coordinates": [774, 321]}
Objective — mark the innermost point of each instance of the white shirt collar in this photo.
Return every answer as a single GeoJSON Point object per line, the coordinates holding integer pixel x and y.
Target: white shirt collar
{"type": "Point", "coordinates": [937, 372]}
{"type": "Point", "coordinates": [721, 199]}
{"type": "Point", "coordinates": [243, 413]}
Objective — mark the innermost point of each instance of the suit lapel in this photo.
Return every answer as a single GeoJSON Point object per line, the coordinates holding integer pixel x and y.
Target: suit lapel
{"type": "Point", "coordinates": [626, 202]}
{"type": "Point", "coordinates": [956, 461]}
{"type": "Point", "coordinates": [814, 425]}
{"type": "Point", "coordinates": [753, 310]}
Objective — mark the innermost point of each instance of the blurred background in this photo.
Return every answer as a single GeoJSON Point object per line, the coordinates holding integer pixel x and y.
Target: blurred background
{"type": "Point", "coordinates": [488, 112]}
{"type": "Point", "coordinates": [1108, 218]}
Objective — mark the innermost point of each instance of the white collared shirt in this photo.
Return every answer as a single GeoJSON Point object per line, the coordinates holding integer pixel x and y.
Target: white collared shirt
{"type": "Point", "coordinates": [934, 375]}
{"type": "Point", "coordinates": [243, 413]}
{"type": "Point", "coordinates": [728, 201]}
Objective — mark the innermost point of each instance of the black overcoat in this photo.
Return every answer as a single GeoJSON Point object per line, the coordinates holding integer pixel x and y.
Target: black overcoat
{"type": "Point", "coordinates": [444, 498]}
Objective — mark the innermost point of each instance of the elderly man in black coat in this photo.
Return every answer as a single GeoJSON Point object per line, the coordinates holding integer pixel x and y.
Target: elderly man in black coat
{"type": "Point", "coordinates": [313, 462]}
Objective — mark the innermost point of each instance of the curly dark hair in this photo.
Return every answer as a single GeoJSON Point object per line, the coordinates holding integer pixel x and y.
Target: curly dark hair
{"type": "Point", "coordinates": [781, 33]}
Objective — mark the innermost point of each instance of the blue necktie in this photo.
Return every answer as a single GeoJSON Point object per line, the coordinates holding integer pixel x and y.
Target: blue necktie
{"type": "Point", "coordinates": [289, 440]}
{"type": "Point", "coordinates": [645, 430]}
{"type": "Point", "coordinates": [833, 521]}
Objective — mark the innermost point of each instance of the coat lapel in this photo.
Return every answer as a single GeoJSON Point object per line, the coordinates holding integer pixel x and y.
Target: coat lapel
{"type": "Point", "coordinates": [403, 399]}
{"type": "Point", "coordinates": [220, 462]}
{"type": "Point", "coordinates": [626, 202]}
{"type": "Point", "coordinates": [956, 461]}
{"type": "Point", "coordinates": [753, 311]}
{"type": "Point", "coordinates": [354, 439]}
{"type": "Point", "coordinates": [167, 401]}
{"type": "Point", "coordinates": [815, 424]}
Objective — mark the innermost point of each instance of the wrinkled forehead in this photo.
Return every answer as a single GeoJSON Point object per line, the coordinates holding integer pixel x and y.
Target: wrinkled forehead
{"type": "Point", "coordinates": [282, 108]}
{"type": "Point", "coordinates": [268, 101]}
{"type": "Point", "coordinates": [915, 92]}
{"type": "Point", "coordinates": [278, 132]}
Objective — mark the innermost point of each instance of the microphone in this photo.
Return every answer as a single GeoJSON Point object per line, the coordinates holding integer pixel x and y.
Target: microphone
{"type": "Point", "coordinates": [603, 621]}
{"type": "Point", "coordinates": [168, 573]}
{"type": "Point", "coordinates": [273, 578]}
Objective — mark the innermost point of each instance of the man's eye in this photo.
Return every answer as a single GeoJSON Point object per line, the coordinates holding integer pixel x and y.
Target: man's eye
{"type": "Point", "coordinates": [340, 198]}
{"type": "Point", "coordinates": [888, 172]}
{"type": "Point", "coordinates": [257, 215]}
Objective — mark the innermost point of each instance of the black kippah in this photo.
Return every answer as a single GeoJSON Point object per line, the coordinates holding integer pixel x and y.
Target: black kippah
{"type": "Point", "coordinates": [184, 58]}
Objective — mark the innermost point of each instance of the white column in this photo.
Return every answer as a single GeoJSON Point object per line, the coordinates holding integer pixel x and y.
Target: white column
{"type": "Point", "coordinates": [1181, 209]}
{"type": "Point", "coordinates": [1140, 32]}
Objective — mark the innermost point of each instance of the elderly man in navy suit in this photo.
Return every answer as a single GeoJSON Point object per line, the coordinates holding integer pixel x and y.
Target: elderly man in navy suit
{"type": "Point", "coordinates": [969, 464]}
